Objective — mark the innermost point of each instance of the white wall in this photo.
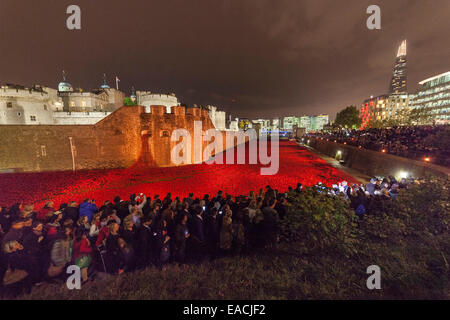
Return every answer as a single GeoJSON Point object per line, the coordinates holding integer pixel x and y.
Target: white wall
{"type": "Point", "coordinates": [25, 105]}
{"type": "Point", "coordinates": [147, 99]}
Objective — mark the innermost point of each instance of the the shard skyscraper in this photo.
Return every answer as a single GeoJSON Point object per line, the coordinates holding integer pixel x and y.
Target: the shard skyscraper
{"type": "Point", "coordinates": [398, 82]}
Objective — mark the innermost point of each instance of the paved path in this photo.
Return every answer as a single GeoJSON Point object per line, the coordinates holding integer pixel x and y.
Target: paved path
{"type": "Point", "coordinates": [363, 178]}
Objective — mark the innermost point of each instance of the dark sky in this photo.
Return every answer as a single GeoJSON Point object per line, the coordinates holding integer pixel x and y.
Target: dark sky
{"type": "Point", "coordinates": [274, 57]}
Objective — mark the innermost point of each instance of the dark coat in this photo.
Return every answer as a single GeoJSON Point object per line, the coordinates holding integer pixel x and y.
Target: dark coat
{"type": "Point", "coordinates": [197, 229]}
{"type": "Point", "coordinates": [71, 213]}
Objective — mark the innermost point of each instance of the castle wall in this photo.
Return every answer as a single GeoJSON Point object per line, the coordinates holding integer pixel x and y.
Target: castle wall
{"type": "Point", "coordinates": [127, 136]}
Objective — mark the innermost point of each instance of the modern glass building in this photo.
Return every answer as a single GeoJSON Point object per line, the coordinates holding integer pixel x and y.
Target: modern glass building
{"type": "Point", "coordinates": [309, 123]}
{"type": "Point", "coordinates": [433, 97]}
{"type": "Point", "coordinates": [398, 81]}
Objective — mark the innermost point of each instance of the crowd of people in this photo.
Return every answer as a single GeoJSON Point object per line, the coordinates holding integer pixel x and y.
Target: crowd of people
{"type": "Point", "coordinates": [402, 141]}
{"type": "Point", "coordinates": [125, 235]}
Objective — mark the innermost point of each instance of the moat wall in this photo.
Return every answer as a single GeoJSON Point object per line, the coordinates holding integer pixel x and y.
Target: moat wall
{"type": "Point", "coordinates": [375, 163]}
{"type": "Point", "coordinates": [126, 137]}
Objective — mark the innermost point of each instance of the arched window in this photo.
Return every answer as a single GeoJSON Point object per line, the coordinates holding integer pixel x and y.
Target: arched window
{"type": "Point", "coordinates": [165, 133]}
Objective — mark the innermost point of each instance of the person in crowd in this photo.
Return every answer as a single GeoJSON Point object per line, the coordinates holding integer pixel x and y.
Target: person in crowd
{"type": "Point", "coordinates": [226, 231]}
{"type": "Point", "coordinates": [196, 227]}
{"type": "Point", "coordinates": [83, 224]}
{"type": "Point", "coordinates": [238, 233]}
{"type": "Point", "coordinates": [145, 243]}
{"type": "Point", "coordinates": [46, 211]}
{"type": "Point", "coordinates": [88, 208]}
{"type": "Point", "coordinates": [189, 199]}
{"type": "Point", "coordinates": [135, 217]}
{"type": "Point", "coordinates": [113, 256]}
{"type": "Point", "coordinates": [212, 232]}
{"type": "Point", "coordinates": [95, 227]}
{"type": "Point", "coordinates": [81, 253]}
{"type": "Point", "coordinates": [127, 255]}
{"type": "Point", "coordinates": [162, 241]}
{"type": "Point", "coordinates": [280, 206]}
{"type": "Point", "coordinates": [71, 212]}
{"type": "Point", "coordinates": [270, 222]}
{"type": "Point", "coordinates": [181, 235]}
{"type": "Point", "coordinates": [61, 252]}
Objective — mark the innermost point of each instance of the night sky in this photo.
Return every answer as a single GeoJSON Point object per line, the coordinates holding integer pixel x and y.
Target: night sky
{"type": "Point", "coordinates": [254, 58]}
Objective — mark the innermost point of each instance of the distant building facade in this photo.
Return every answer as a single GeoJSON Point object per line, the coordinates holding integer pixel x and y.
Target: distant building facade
{"type": "Point", "coordinates": [309, 123]}
{"type": "Point", "coordinates": [433, 97]}
{"type": "Point", "coordinates": [22, 105]}
{"type": "Point", "coordinates": [383, 108]}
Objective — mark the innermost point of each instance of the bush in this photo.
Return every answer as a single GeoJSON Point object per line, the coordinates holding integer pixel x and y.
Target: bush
{"type": "Point", "coordinates": [407, 237]}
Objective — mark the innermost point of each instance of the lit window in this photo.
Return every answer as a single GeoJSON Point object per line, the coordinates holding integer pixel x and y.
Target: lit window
{"type": "Point", "coordinates": [83, 103]}
{"type": "Point", "coordinates": [43, 151]}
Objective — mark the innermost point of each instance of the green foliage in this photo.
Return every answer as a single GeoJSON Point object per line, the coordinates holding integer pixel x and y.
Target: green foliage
{"type": "Point", "coordinates": [320, 223]}
{"type": "Point", "coordinates": [420, 116]}
{"type": "Point", "coordinates": [348, 118]}
{"type": "Point", "coordinates": [128, 102]}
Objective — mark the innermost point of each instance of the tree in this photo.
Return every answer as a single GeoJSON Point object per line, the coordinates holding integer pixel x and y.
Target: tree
{"type": "Point", "coordinates": [420, 116]}
{"type": "Point", "coordinates": [128, 102]}
{"type": "Point", "coordinates": [348, 118]}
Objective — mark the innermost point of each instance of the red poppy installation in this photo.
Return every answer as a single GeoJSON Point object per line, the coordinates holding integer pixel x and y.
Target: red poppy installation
{"type": "Point", "coordinates": [296, 165]}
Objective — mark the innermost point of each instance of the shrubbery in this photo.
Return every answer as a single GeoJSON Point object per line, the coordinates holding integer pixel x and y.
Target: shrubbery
{"type": "Point", "coordinates": [409, 237]}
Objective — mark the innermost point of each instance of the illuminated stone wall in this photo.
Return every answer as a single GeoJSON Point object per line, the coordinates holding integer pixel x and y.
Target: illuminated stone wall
{"type": "Point", "coordinates": [126, 137]}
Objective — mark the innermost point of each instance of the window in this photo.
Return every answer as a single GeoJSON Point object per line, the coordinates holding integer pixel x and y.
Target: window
{"type": "Point", "coordinates": [45, 107]}
{"type": "Point", "coordinates": [33, 118]}
{"type": "Point", "coordinates": [9, 105]}
{"type": "Point", "coordinates": [165, 133]}
{"type": "Point", "coordinates": [19, 114]}
{"type": "Point", "coordinates": [43, 151]}
{"type": "Point", "coordinates": [83, 103]}
{"type": "Point", "coordinates": [72, 104]}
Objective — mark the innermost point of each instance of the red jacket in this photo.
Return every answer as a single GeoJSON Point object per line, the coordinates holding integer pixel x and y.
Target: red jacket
{"type": "Point", "coordinates": [80, 248]}
{"type": "Point", "coordinates": [102, 235]}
